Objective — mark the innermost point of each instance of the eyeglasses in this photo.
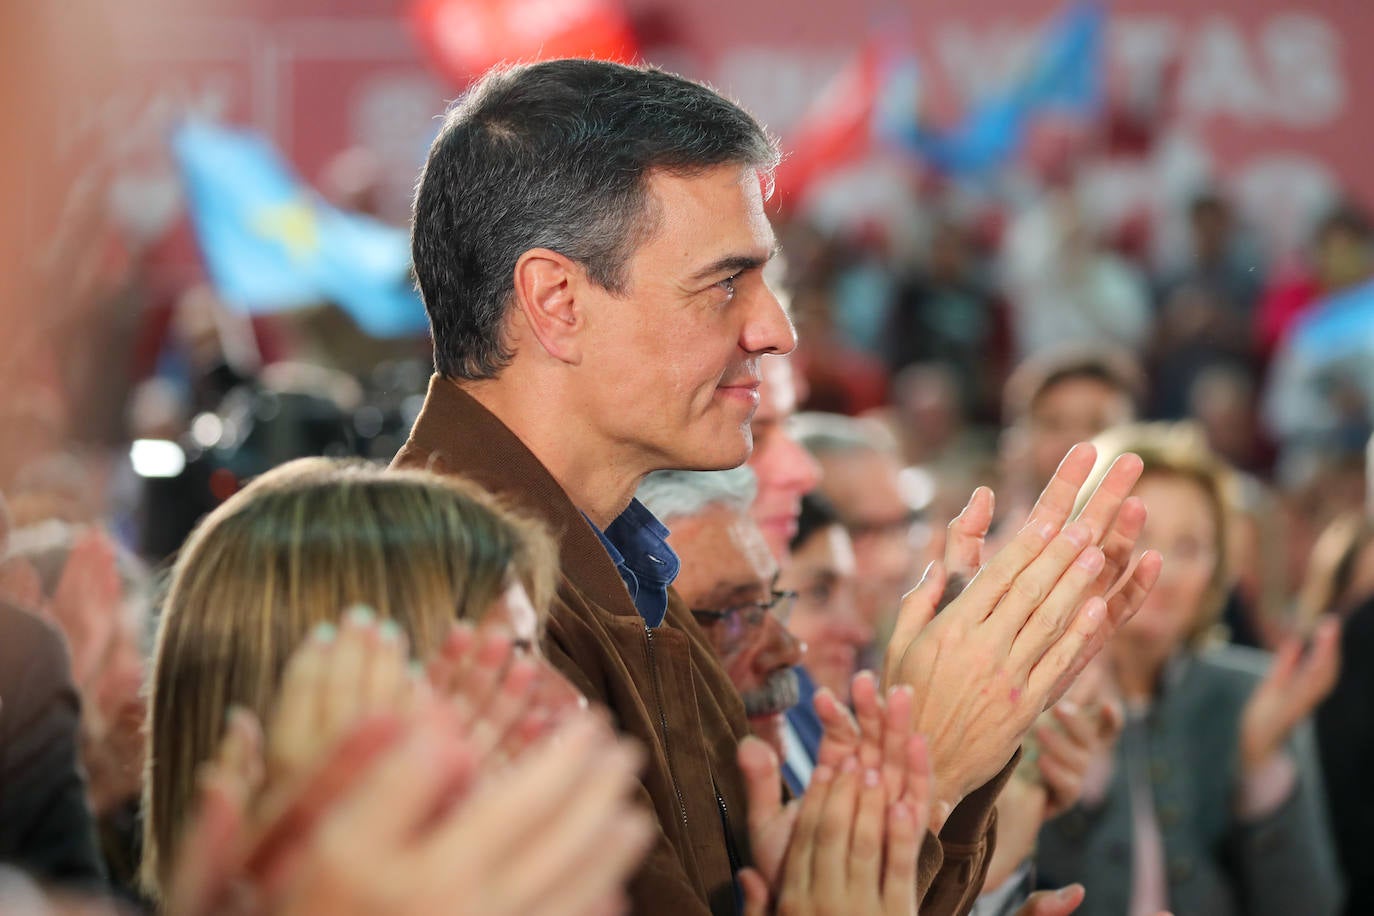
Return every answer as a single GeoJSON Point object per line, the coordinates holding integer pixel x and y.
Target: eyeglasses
{"type": "Point", "coordinates": [742, 618]}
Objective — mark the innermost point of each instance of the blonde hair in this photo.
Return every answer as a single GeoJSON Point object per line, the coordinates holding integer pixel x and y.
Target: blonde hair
{"type": "Point", "coordinates": [1180, 451]}
{"type": "Point", "coordinates": [295, 548]}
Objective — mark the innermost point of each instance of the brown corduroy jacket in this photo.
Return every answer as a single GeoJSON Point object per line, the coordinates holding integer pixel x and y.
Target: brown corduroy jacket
{"type": "Point", "coordinates": [663, 687]}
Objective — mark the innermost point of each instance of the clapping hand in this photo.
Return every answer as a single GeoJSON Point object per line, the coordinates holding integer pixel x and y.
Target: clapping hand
{"type": "Point", "coordinates": [1288, 694]}
{"type": "Point", "coordinates": [1029, 621]}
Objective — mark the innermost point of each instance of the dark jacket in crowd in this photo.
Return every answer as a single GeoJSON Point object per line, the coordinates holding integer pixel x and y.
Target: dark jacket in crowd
{"type": "Point", "coordinates": [1187, 748]}
{"type": "Point", "coordinates": [45, 825]}
{"type": "Point", "coordinates": [664, 687]}
{"type": "Point", "coordinates": [1345, 735]}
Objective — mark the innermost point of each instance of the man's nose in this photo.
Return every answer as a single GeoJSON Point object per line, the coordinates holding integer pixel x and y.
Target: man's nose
{"type": "Point", "coordinates": [780, 648]}
{"type": "Point", "coordinates": [768, 328]}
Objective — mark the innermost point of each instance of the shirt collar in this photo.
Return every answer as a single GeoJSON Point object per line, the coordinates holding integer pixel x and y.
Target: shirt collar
{"type": "Point", "coordinates": [637, 544]}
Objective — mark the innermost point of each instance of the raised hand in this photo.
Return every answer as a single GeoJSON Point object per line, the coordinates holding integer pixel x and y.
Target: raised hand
{"type": "Point", "coordinates": [400, 816]}
{"type": "Point", "coordinates": [1011, 643]}
{"type": "Point", "coordinates": [1288, 694]}
{"type": "Point", "coordinates": [87, 603]}
{"type": "Point", "coordinates": [336, 678]}
{"type": "Point", "coordinates": [853, 849]}
{"type": "Point", "coordinates": [1079, 729]}
{"type": "Point", "coordinates": [882, 738]}
{"type": "Point", "coordinates": [504, 697]}
{"type": "Point", "coordinates": [555, 835]}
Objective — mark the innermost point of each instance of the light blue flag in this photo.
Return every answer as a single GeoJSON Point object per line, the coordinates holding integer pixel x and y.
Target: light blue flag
{"type": "Point", "coordinates": [1064, 74]}
{"type": "Point", "coordinates": [1337, 327]}
{"type": "Point", "coordinates": [270, 243]}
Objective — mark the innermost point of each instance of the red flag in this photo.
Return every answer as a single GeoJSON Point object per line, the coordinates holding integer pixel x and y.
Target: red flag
{"type": "Point", "coordinates": [467, 37]}
{"type": "Point", "coordinates": [837, 128]}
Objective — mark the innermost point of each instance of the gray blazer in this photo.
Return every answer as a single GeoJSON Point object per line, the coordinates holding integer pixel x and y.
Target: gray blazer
{"type": "Point", "coordinates": [1215, 866]}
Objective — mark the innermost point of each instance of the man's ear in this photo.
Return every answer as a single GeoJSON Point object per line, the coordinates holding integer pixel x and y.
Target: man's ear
{"type": "Point", "coordinates": [546, 286]}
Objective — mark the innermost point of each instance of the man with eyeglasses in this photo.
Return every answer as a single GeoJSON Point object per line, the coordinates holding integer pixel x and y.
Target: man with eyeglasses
{"type": "Point", "coordinates": [861, 478]}
{"type": "Point", "coordinates": [728, 579]}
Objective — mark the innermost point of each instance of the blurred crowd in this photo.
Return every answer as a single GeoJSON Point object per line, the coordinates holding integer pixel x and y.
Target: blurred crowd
{"type": "Point", "coordinates": [212, 593]}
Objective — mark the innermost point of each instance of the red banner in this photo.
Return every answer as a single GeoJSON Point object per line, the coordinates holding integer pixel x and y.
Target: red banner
{"type": "Point", "coordinates": [466, 37]}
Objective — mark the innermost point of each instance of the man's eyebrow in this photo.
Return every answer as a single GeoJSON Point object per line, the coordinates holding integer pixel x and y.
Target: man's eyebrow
{"type": "Point", "coordinates": [734, 264]}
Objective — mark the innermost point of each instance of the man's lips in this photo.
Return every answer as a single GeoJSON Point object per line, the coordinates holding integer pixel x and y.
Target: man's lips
{"type": "Point", "coordinates": [745, 392]}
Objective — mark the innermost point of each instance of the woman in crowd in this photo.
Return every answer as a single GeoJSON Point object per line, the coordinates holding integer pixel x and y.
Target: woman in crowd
{"type": "Point", "coordinates": [1210, 801]}
{"type": "Point", "coordinates": [285, 557]}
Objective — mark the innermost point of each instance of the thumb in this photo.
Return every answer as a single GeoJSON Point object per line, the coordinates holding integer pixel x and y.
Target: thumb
{"type": "Point", "coordinates": [966, 534]}
{"type": "Point", "coordinates": [918, 609]}
{"type": "Point", "coordinates": [1053, 903]}
{"type": "Point", "coordinates": [755, 892]}
{"type": "Point", "coordinates": [762, 780]}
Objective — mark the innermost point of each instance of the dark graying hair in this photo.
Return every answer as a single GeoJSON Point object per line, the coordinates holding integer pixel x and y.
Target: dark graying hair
{"type": "Point", "coordinates": [555, 155]}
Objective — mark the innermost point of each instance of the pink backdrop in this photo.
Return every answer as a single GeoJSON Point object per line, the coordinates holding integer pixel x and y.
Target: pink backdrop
{"type": "Point", "coordinates": [1269, 96]}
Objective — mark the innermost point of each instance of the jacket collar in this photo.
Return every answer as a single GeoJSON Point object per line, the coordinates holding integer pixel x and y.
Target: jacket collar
{"type": "Point", "coordinates": [455, 434]}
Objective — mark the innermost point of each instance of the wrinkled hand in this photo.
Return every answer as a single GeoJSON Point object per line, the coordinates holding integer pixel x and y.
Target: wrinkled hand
{"type": "Point", "coordinates": [1034, 615]}
{"type": "Point", "coordinates": [853, 850]}
{"type": "Point", "coordinates": [1288, 694]}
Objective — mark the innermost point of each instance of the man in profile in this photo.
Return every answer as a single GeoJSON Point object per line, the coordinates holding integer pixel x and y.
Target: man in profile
{"type": "Point", "coordinates": [589, 240]}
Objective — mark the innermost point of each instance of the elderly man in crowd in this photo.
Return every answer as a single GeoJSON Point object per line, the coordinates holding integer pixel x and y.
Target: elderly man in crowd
{"type": "Point", "coordinates": [729, 581]}
{"type": "Point", "coordinates": [589, 241]}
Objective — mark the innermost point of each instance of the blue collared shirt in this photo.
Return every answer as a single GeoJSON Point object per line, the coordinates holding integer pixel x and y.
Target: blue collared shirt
{"type": "Point", "coordinates": [637, 543]}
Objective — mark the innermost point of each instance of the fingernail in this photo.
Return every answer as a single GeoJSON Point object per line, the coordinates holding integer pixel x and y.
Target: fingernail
{"type": "Point", "coordinates": [324, 632]}
{"type": "Point", "coordinates": [849, 765]}
{"type": "Point", "coordinates": [1068, 707]}
{"type": "Point", "coordinates": [1091, 559]}
{"type": "Point", "coordinates": [390, 631]}
{"type": "Point", "coordinates": [871, 778]}
{"type": "Point", "coordinates": [822, 773]}
{"type": "Point", "coordinates": [1047, 530]}
{"type": "Point", "coordinates": [360, 615]}
{"type": "Point", "coordinates": [900, 811]}
{"type": "Point", "coordinates": [1066, 893]}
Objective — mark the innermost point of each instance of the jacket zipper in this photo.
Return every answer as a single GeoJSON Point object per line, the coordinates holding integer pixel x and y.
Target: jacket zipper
{"type": "Point", "coordinates": [663, 722]}
{"type": "Point", "coordinates": [735, 863]}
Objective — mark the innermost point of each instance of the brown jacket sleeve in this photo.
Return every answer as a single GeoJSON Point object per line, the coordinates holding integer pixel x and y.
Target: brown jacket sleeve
{"type": "Point", "coordinates": [953, 867]}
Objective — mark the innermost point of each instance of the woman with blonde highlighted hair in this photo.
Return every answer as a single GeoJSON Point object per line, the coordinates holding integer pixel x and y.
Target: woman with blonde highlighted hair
{"type": "Point", "coordinates": [1210, 801]}
{"type": "Point", "coordinates": [284, 558]}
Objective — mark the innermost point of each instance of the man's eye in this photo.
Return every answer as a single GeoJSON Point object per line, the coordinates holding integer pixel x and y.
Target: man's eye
{"type": "Point", "coordinates": [728, 284]}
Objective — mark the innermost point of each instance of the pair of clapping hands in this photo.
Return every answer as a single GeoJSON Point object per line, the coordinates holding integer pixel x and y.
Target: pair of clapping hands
{"type": "Point", "coordinates": [958, 693]}
{"type": "Point", "coordinates": [376, 786]}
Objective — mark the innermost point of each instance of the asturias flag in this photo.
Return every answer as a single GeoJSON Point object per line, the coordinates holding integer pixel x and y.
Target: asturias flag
{"type": "Point", "coordinates": [270, 243]}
